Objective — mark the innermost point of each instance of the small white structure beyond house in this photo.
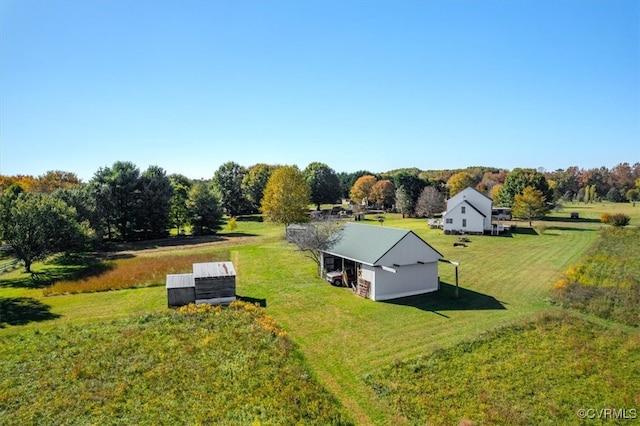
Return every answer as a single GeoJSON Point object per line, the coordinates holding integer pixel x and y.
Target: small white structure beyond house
{"type": "Point", "coordinates": [211, 282]}
{"type": "Point", "coordinates": [468, 212]}
{"type": "Point", "coordinates": [389, 263]}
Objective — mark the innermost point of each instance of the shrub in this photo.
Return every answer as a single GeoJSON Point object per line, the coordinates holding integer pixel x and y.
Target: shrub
{"type": "Point", "coordinates": [605, 218]}
{"type": "Point", "coordinates": [232, 224]}
{"type": "Point", "coordinates": [620, 219]}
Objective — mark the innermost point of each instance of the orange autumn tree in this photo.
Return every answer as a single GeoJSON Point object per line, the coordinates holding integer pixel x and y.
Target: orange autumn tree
{"type": "Point", "coordinates": [361, 189]}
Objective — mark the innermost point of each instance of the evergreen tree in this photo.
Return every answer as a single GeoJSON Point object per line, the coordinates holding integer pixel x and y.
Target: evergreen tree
{"type": "Point", "coordinates": [205, 215]}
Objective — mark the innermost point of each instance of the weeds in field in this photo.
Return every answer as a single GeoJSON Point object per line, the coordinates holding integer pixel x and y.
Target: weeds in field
{"type": "Point", "coordinates": [133, 272]}
{"type": "Point", "coordinates": [196, 365]}
{"type": "Point", "coordinates": [607, 282]}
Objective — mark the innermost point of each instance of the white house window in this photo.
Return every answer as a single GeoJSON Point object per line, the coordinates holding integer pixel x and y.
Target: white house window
{"type": "Point", "coordinates": [449, 220]}
{"type": "Point", "coordinates": [464, 223]}
{"type": "Point", "coordinates": [463, 209]}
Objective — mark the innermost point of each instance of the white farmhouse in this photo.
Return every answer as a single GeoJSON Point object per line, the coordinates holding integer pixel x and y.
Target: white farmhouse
{"type": "Point", "coordinates": [468, 212]}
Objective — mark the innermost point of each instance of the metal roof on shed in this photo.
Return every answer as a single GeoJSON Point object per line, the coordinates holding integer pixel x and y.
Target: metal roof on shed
{"type": "Point", "coordinates": [367, 243]}
{"type": "Point", "coordinates": [213, 269]}
{"type": "Point", "coordinates": [180, 281]}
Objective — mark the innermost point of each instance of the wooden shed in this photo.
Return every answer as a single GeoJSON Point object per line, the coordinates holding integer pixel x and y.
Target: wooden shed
{"type": "Point", "coordinates": [215, 282]}
{"type": "Point", "coordinates": [180, 289]}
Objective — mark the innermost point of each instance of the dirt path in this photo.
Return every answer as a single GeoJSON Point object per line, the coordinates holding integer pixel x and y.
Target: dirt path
{"type": "Point", "coordinates": [172, 244]}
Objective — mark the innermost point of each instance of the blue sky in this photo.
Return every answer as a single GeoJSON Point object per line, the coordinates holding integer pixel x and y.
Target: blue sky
{"type": "Point", "coordinates": [375, 85]}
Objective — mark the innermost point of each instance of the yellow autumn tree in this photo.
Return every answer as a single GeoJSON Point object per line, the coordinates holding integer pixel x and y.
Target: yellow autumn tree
{"type": "Point", "coordinates": [529, 205]}
{"type": "Point", "coordinates": [286, 197]}
{"type": "Point", "coordinates": [458, 182]}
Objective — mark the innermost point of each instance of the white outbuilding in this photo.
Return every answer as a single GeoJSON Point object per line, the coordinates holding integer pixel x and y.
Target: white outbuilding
{"type": "Point", "coordinates": [389, 263]}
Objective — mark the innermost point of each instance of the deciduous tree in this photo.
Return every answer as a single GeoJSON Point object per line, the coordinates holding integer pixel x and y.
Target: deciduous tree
{"type": "Point", "coordinates": [460, 181]}
{"type": "Point", "coordinates": [286, 197]}
{"type": "Point", "coordinates": [529, 205]}
{"type": "Point", "coordinates": [227, 181]}
{"type": "Point", "coordinates": [410, 186]}
{"type": "Point", "coordinates": [40, 225]}
{"type": "Point", "coordinates": [54, 180]}
{"type": "Point", "coordinates": [430, 202]}
{"type": "Point", "coordinates": [361, 189]}
{"type": "Point", "coordinates": [315, 238]}
{"type": "Point", "coordinates": [323, 183]}
{"type": "Point", "coordinates": [254, 182]}
{"type": "Point", "coordinates": [404, 204]}
{"type": "Point", "coordinates": [178, 210]}
{"type": "Point", "coordinates": [519, 179]}
{"type": "Point", "coordinates": [348, 179]}
{"type": "Point", "coordinates": [383, 193]}
{"type": "Point", "coordinates": [82, 201]}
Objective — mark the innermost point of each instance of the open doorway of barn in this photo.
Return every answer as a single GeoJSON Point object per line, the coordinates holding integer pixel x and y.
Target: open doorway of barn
{"type": "Point", "coordinates": [341, 272]}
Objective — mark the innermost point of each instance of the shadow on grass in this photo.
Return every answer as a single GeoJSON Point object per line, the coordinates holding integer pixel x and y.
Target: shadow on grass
{"type": "Point", "coordinates": [568, 228]}
{"type": "Point", "coordinates": [179, 240]}
{"type": "Point", "coordinates": [260, 302]}
{"type": "Point", "coordinates": [23, 310]}
{"type": "Point", "coordinates": [67, 267]}
{"type": "Point", "coordinates": [250, 218]}
{"type": "Point", "coordinates": [569, 220]}
{"type": "Point", "coordinates": [523, 230]}
{"type": "Point", "coordinates": [445, 300]}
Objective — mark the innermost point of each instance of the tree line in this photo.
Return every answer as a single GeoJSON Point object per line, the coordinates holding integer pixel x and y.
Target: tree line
{"type": "Point", "coordinates": [57, 211]}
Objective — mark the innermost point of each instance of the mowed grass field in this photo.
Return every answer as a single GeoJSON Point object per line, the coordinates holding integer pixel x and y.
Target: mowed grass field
{"type": "Point", "coordinates": [503, 280]}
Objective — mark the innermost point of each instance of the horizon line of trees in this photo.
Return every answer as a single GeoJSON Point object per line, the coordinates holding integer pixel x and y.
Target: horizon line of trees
{"type": "Point", "coordinates": [57, 212]}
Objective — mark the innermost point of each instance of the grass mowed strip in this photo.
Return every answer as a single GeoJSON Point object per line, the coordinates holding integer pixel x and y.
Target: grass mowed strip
{"type": "Point", "coordinates": [197, 365]}
{"type": "Point", "coordinates": [537, 372]}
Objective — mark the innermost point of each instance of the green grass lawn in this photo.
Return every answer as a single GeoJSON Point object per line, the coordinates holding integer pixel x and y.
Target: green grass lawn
{"type": "Point", "coordinates": [345, 338]}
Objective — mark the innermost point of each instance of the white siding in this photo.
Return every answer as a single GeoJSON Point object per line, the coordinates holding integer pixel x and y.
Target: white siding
{"type": "Point", "coordinates": [408, 251]}
{"type": "Point", "coordinates": [408, 280]}
{"type": "Point", "coordinates": [475, 221]}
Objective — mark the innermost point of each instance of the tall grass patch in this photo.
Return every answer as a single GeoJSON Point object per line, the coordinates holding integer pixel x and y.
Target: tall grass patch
{"type": "Point", "coordinates": [135, 271]}
{"type": "Point", "coordinates": [607, 281]}
{"type": "Point", "coordinates": [538, 372]}
{"type": "Point", "coordinates": [198, 365]}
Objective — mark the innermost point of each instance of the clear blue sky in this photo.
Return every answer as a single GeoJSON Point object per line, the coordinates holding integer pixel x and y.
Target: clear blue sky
{"type": "Point", "coordinates": [376, 85]}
